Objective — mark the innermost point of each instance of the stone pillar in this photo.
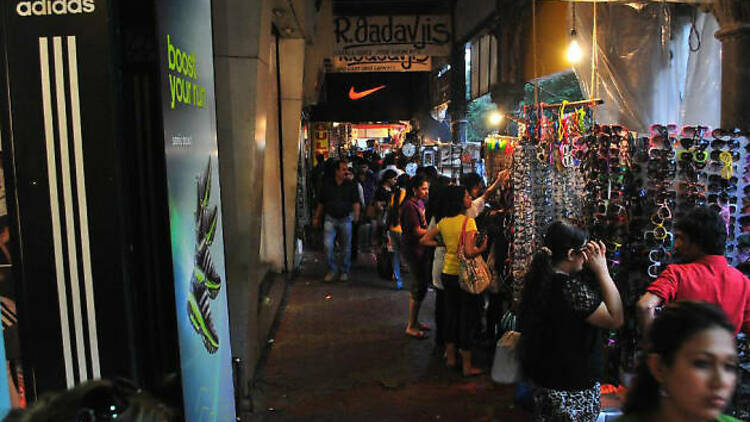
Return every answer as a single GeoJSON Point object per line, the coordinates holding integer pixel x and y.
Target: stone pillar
{"type": "Point", "coordinates": [734, 33]}
{"type": "Point", "coordinates": [291, 62]}
{"type": "Point", "coordinates": [457, 108]}
{"type": "Point", "coordinates": [242, 39]}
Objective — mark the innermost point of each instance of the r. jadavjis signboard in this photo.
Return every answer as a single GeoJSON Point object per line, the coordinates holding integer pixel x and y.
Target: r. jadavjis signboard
{"type": "Point", "coordinates": [416, 35]}
{"type": "Point", "coordinates": [382, 64]}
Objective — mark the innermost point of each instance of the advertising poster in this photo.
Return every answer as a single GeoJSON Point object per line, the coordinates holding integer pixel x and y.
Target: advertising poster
{"type": "Point", "coordinates": [321, 138]}
{"type": "Point", "coordinates": [188, 107]}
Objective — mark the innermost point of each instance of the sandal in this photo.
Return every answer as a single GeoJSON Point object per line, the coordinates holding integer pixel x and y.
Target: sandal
{"type": "Point", "coordinates": [423, 327]}
{"type": "Point", "coordinates": [419, 335]}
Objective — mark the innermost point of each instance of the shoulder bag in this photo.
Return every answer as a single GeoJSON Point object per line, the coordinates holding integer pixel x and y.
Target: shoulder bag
{"type": "Point", "coordinates": [474, 276]}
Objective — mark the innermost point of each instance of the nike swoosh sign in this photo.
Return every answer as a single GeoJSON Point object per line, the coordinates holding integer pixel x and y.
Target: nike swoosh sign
{"type": "Point", "coordinates": [354, 95]}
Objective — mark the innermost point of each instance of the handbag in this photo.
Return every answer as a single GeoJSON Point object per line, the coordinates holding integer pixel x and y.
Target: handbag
{"type": "Point", "coordinates": [505, 366]}
{"type": "Point", "coordinates": [474, 276]}
{"type": "Point", "coordinates": [384, 263]}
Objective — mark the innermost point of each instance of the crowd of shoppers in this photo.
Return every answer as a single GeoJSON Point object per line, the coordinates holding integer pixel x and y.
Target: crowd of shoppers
{"type": "Point", "coordinates": [690, 359]}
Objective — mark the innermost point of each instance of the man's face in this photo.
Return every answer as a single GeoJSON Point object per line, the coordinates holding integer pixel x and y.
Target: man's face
{"type": "Point", "coordinates": [341, 171]}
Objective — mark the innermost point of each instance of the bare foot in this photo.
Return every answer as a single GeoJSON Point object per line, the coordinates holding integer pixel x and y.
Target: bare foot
{"type": "Point", "coordinates": [450, 361]}
{"type": "Point", "coordinates": [472, 372]}
{"type": "Point", "coordinates": [417, 334]}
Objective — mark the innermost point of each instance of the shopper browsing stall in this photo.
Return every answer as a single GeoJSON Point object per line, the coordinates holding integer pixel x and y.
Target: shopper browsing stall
{"type": "Point", "coordinates": [436, 211]}
{"type": "Point", "coordinates": [461, 308]}
{"type": "Point", "coordinates": [393, 219]}
{"type": "Point", "coordinates": [691, 370]}
{"type": "Point", "coordinates": [700, 238]}
{"type": "Point", "coordinates": [414, 226]}
{"type": "Point", "coordinates": [474, 184]}
{"type": "Point", "coordinates": [560, 317]}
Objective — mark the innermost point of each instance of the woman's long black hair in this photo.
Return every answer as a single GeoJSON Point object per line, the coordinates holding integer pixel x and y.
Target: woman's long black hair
{"type": "Point", "coordinates": [394, 207]}
{"type": "Point", "coordinates": [672, 328]}
{"type": "Point", "coordinates": [559, 239]}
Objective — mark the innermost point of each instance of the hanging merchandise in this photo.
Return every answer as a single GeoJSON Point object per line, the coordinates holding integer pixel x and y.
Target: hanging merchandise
{"type": "Point", "coordinates": [627, 190]}
{"type": "Point", "coordinates": [547, 181]}
{"type": "Point", "coordinates": [636, 187]}
{"type": "Point", "coordinates": [498, 153]}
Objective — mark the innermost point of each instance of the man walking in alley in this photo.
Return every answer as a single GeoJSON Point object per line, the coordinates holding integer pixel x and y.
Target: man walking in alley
{"type": "Point", "coordinates": [338, 204]}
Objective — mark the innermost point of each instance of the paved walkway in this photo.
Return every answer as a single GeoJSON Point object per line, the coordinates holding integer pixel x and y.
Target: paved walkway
{"type": "Point", "coordinates": [340, 354]}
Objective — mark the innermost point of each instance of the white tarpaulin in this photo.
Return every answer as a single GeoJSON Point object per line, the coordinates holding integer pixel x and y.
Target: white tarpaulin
{"type": "Point", "coordinates": [651, 67]}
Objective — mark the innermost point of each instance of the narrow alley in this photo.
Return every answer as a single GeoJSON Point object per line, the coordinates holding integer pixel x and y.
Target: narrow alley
{"type": "Point", "coordinates": [339, 353]}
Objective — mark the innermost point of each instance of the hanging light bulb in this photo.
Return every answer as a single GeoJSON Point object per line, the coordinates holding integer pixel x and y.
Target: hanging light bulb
{"type": "Point", "coordinates": [495, 118]}
{"type": "Point", "coordinates": [575, 53]}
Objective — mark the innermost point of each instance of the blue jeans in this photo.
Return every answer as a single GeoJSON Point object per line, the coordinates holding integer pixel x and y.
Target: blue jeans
{"type": "Point", "coordinates": [341, 228]}
{"type": "Point", "coordinates": [396, 244]}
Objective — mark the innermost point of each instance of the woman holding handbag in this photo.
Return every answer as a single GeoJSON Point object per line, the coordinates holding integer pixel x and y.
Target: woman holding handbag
{"type": "Point", "coordinates": [560, 320]}
{"type": "Point", "coordinates": [461, 307]}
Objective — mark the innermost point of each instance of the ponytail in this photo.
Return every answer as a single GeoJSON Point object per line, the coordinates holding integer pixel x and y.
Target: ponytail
{"type": "Point", "coordinates": [394, 214]}
{"type": "Point", "coordinates": [534, 297]}
{"type": "Point", "coordinates": [643, 396]}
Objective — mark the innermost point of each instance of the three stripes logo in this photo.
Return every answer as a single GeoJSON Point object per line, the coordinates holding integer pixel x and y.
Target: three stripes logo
{"type": "Point", "coordinates": [69, 211]}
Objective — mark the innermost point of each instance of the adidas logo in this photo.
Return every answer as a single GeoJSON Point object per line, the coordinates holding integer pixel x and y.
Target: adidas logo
{"type": "Point", "coordinates": [54, 7]}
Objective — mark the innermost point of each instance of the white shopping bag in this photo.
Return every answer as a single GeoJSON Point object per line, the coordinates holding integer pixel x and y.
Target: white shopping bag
{"type": "Point", "coordinates": [505, 366]}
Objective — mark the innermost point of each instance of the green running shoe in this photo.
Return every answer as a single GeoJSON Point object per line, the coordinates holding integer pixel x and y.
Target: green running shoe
{"type": "Point", "coordinates": [204, 191]}
{"type": "Point", "coordinates": [207, 226]}
{"type": "Point", "coordinates": [199, 313]}
{"type": "Point", "coordinates": [205, 273]}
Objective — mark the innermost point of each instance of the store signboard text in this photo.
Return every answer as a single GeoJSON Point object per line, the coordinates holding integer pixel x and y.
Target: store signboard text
{"type": "Point", "coordinates": [427, 35]}
{"type": "Point", "coordinates": [383, 63]}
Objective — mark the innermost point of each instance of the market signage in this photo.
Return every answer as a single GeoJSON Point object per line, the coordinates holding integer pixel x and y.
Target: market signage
{"type": "Point", "coordinates": [321, 136]}
{"type": "Point", "coordinates": [372, 96]}
{"type": "Point", "coordinates": [382, 63]}
{"type": "Point", "coordinates": [196, 230]}
{"type": "Point", "coordinates": [415, 35]}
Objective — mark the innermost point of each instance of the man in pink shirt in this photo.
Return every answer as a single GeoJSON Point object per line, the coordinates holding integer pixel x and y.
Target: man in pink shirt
{"type": "Point", "coordinates": [700, 238]}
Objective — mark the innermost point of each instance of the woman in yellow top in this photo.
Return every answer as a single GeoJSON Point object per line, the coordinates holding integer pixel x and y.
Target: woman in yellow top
{"type": "Point", "coordinates": [461, 308]}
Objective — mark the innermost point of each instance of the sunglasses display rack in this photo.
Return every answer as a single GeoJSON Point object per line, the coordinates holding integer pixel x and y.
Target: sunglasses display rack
{"type": "Point", "coordinates": [546, 180]}
{"type": "Point", "coordinates": [637, 186]}
{"type": "Point", "coordinates": [627, 190]}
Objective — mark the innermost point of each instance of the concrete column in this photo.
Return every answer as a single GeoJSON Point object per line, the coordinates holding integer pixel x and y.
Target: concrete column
{"type": "Point", "coordinates": [291, 62]}
{"type": "Point", "coordinates": [457, 108]}
{"type": "Point", "coordinates": [242, 31]}
{"type": "Point", "coordinates": [734, 33]}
